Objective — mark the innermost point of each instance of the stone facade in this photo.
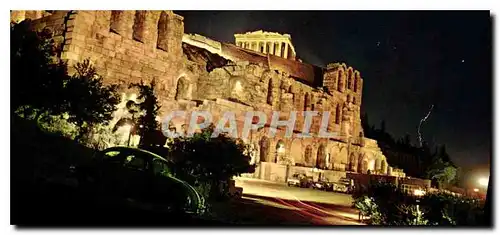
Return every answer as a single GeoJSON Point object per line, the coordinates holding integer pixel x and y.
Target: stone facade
{"type": "Point", "coordinates": [196, 73]}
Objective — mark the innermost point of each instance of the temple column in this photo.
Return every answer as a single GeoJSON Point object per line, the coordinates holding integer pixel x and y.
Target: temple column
{"type": "Point", "coordinates": [278, 49]}
{"type": "Point", "coordinates": [265, 47]}
{"type": "Point", "coordinates": [271, 48]}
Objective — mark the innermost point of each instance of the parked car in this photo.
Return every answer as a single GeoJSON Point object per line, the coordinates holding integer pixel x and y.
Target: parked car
{"type": "Point", "coordinates": [300, 180]}
{"type": "Point", "coordinates": [142, 178]}
{"type": "Point", "coordinates": [344, 186]}
{"type": "Point", "coordinates": [323, 185]}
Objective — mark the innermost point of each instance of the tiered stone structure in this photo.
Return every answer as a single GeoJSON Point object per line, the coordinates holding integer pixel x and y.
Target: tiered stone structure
{"type": "Point", "coordinates": [267, 43]}
{"type": "Point", "coordinates": [197, 73]}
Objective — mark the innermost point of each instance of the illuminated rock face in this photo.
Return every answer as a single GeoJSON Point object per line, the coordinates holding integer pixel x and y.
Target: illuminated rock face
{"type": "Point", "coordinates": [197, 73]}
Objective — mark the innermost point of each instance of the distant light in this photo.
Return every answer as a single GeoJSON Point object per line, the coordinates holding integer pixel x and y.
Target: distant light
{"type": "Point", "coordinates": [418, 192]}
{"type": "Point", "coordinates": [463, 61]}
{"type": "Point", "coordinates": [483, 182]}
{"type": "Point", "coordinates": [238, 87]}
{"type": "Point", "coordinates": [476, 190]}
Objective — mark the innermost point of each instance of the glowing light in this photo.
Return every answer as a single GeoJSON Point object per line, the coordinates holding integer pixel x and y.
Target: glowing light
{"type": "Point", "coordinates": [238, 87]}
{"type": "Point", "coordinates": [476, 190]}
{"type": "Point", "coordinates": [418, 192]}
{"type": "Point", "coordinates": [483, 182]}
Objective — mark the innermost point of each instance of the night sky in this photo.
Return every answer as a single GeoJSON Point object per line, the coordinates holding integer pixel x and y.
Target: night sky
{"type": "Point", "coordinates": [408, 60]}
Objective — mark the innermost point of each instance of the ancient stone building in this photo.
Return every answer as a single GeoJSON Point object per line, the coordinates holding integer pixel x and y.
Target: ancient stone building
{"type": "Point", "coordinates": [257, 73]}
{"type": "Point", "coordinates": [267, 43]}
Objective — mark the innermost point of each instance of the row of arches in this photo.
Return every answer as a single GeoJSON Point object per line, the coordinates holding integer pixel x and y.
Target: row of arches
{"type": "Point", "coordinates": [118, 25]}
{"type": "Point", "coordinates": [351, 83]}
{"type": "Point", "coordinates": [361, 164]}
{"type": "Point", "coordinates": [278, 153]}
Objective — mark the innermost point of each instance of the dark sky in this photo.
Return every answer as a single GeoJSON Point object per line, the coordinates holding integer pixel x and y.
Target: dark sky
{"type": "Point", "coordinates": [408, 60]}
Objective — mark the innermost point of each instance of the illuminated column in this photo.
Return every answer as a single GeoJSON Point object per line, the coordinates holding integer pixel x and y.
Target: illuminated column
{"type": "Point", "coordinates": [271, 48]}
{"type": "Point", "coordinates": [265, 47]}
{"type": "Point", "coordinates": [278, 49]}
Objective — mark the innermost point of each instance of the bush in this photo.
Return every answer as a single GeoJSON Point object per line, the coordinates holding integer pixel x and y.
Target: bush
{"type": "Point", "coordinates": [385, 204]}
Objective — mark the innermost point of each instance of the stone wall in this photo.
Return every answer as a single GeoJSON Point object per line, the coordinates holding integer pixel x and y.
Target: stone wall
{"type": "Point", "coordinates": [125, 46]}
{"type": "Point", "coordinates": [196, 73]}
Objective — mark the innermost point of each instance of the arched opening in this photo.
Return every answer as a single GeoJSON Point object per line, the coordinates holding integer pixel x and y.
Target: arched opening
{"type": "Point", "coordinates": [162, 42]}
{"type": "Point", "coordinates": [356, 77]}
{"type": "Point", "coordinates": [139, 20]}
{"type": "Point", "coordinates": [349, 81]}
{"type": "Point", "coordinates": [352, 163]}
{"type": "Point", "coordinates": [280, 151]}
{"type": "Point", "coordinates": [270, 92]}
{"type": "Point", "coordinates": [182, 89]}
{"type": "Point", "coordinates": [115, 21]}
{"type": "Point", "coordinates": [378, 165]}
{"type": "Point", "coordinates": [337, 114]}
{"type": "Point", "coordinates": [308, 155]}
{"type": "Point", "coordinates": [339, 80]}
{"type": "Point", "coordinates": [264, 149]}
{"type": "Point", "coordinates": [321, 157]}
{"type": "Point", "coordinates": [307, 101]}
{"type": "Point", "coordinates": [354, 99]}
{"type": "Point", "coordinates": [362, 164]}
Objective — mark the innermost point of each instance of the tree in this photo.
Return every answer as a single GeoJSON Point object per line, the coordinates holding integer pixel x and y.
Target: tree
{"type": "Point", "coordinates": [202, 159]}
{"type": "Point", "coordinates": [149, 128]}
{"type": "Point", "coordinates": [88, 100]}
{"type": "Point", "coordinates": [37, 79]}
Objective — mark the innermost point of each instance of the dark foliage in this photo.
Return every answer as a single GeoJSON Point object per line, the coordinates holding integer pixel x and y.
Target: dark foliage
{"type": "Point", "coordinates": [204, 161]}
{"type": "Point", "coordinates": [146, 123]}
{"type": "Point", "coordinates": [422, 162]}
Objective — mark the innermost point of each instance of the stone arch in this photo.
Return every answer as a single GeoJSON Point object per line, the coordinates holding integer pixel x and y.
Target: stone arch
{"type": "Point", "coordinates": [378, 164]}
{"type": "Point", "coordinates": [270, 92]}
{"type": "Point", "coordinates": [383, 166]}
{"type": "Point", "coordinates": [264, 149]}
{"type": "Point", "coordinates": [321, 157]}
{"type": "Point", "coordinates": [115, 24]}
{"type": "Point", "coordinates": [307, 101]}
{"type": "Point", "coordinates": [340, 74]}
{"type": "Point", "coordinates": [352, 163]}
{"type": "Point", "coordinates": [308, 155]}
{"type": "Point", "coordinates": [280, 151]}
{"type": "Point", "coordinates": [362, 164]}
{"type": "Point", "coordinates": [349, 79]}
{"type": "Point", "coordinates": [296, 151]}
{"type": "Point", "coordinates": [139, 26]}
{"type": "Point", "coordinates": [337, 114]}
{"type": "Point", "coordinates": [182, 90]}
{"type": "Point", "coordinates": [356, 78]}
{"type": "Point", "coordinates": [162, 42]}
